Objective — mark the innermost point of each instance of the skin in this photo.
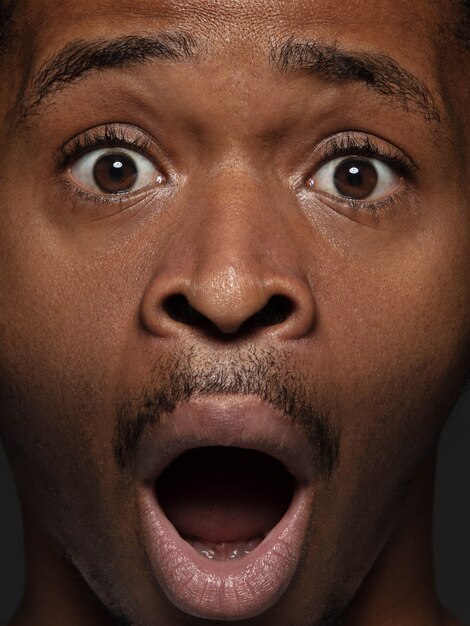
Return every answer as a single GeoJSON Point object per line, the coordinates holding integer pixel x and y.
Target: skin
{"type": "Point", "coordinates": [380, 325]}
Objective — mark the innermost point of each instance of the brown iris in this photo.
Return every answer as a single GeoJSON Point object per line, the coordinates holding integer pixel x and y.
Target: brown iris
{"type": "Point", "coordinates": [355, 178]}
{"type": "Point", "coordinates": [115, 173]}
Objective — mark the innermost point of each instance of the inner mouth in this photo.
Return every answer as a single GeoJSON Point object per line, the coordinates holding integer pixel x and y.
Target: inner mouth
{"type": "Point", "coordinates": [224, 500]}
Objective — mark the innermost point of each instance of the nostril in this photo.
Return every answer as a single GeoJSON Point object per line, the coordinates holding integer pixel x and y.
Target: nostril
{"type": "Point", "coordinates": [276, 311]}
{"type": "Point", "coordinates": [177, 307]}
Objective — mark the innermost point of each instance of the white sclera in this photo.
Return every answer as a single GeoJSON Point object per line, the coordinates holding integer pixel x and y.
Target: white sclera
{"type": "Point", "coordinates": [387, 179]}
{"type": "Point", "coordinates": [82, 170]}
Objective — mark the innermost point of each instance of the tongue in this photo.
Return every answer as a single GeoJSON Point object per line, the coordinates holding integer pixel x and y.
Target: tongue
{"type": "Point", "coordinates": [224, 494]}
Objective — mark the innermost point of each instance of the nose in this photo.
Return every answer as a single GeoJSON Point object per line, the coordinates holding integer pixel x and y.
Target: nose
{"type": "Point", "coordinates": [236, 276]}
{"type": "Point", "coordinates": [228, 302]}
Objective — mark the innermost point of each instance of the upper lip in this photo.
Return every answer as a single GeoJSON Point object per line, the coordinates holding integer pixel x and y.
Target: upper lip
{"type": "Point", "coordinates": [239, 421]}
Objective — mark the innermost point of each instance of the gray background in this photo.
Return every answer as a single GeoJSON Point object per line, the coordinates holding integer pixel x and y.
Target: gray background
{"type": "Point", "coordinates": [452, 523]}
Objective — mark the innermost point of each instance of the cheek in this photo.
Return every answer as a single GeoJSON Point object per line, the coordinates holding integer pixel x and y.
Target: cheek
{"type": "Point", "coordinates": [401, 320]}
{"type": "Point", "coordinates": [392, 350]}
{"type": "Point", "coordinates": [58, 371]}
{"type": "Point", "coordinates": [391, 357]}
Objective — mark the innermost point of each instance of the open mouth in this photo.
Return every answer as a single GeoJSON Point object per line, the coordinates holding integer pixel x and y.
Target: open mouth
{"type": "Point", "coordinates": [225, 497]}
{"type": "Point", "coordinates": [224, 501]}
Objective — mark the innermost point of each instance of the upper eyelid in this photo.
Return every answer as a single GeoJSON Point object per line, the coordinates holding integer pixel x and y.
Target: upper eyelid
{"type": "Point", "coordinates": [350, 143]}
{"type": "Point", "coordinates": [340, 143]}
{"type": "Point", "coordinates": [102, 137]}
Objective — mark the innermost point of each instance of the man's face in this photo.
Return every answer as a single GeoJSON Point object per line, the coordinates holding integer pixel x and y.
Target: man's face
{"type": "Point", "coordinates": [245, 235]}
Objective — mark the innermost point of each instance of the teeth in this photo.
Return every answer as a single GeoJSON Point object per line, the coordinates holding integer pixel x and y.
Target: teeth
{"type": "Point", "coordinates": [224, 551]}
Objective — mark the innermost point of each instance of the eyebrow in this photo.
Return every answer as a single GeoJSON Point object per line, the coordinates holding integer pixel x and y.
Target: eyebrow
{"type": "Point", "coordinates": [80, 58]}
{"type": "Point", "coordinates": [377, 71]}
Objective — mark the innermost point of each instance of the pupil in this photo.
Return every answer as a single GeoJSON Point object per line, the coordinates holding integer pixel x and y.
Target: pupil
{"type": "Point", "coordinates": [354, 170]}
{"type": "Point", "coordinates": [355, 179]}
{"type": "Point", "coordinates": [115, 173]}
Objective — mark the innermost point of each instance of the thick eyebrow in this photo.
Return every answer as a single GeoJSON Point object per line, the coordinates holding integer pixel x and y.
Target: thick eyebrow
{"type": "Point", "coordinates": [377, 71]}
{"type": "Point", "coordinates": [79, 58]}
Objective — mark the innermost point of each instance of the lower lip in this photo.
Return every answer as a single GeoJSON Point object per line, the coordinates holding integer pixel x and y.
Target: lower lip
{"type": "Point", "coordinates": [233, 589]}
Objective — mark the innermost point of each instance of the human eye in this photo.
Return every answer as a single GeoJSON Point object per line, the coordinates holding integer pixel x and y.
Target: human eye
{"type": "Point", "coordinates": [110, 162]}
{"type": "Point", "coordinates": [114, 171]}
{"type": "Point", "coordinates": [359, 171]}
{"type": "Point", "coordinates": [357, 178]}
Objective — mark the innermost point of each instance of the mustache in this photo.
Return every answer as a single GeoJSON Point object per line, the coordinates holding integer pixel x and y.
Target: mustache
{"type": "Point", "coordinates": [267, 374]}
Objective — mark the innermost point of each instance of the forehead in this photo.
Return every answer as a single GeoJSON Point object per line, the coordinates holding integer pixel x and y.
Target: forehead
{"type": "Point", "coordinates": [242, 34]}
{"type": "Point", "coordinates": [247, 24]}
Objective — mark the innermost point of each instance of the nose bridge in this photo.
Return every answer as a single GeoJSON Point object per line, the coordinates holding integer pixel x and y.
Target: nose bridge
{"type": "Point", "coordinates": [239, 225]}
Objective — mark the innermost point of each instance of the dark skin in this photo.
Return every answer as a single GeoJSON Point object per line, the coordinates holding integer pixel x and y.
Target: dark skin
{"type": "Point", "coordinates": [234, 213]}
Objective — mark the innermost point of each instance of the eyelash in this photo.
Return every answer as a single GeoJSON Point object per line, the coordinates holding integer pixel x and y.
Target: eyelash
{"type": "Point", "coordinates": [346, 144]}
{"type": "Point", "coordinates": [109, 137]}
{"type": "Point", "coordinates": [349, 144]}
